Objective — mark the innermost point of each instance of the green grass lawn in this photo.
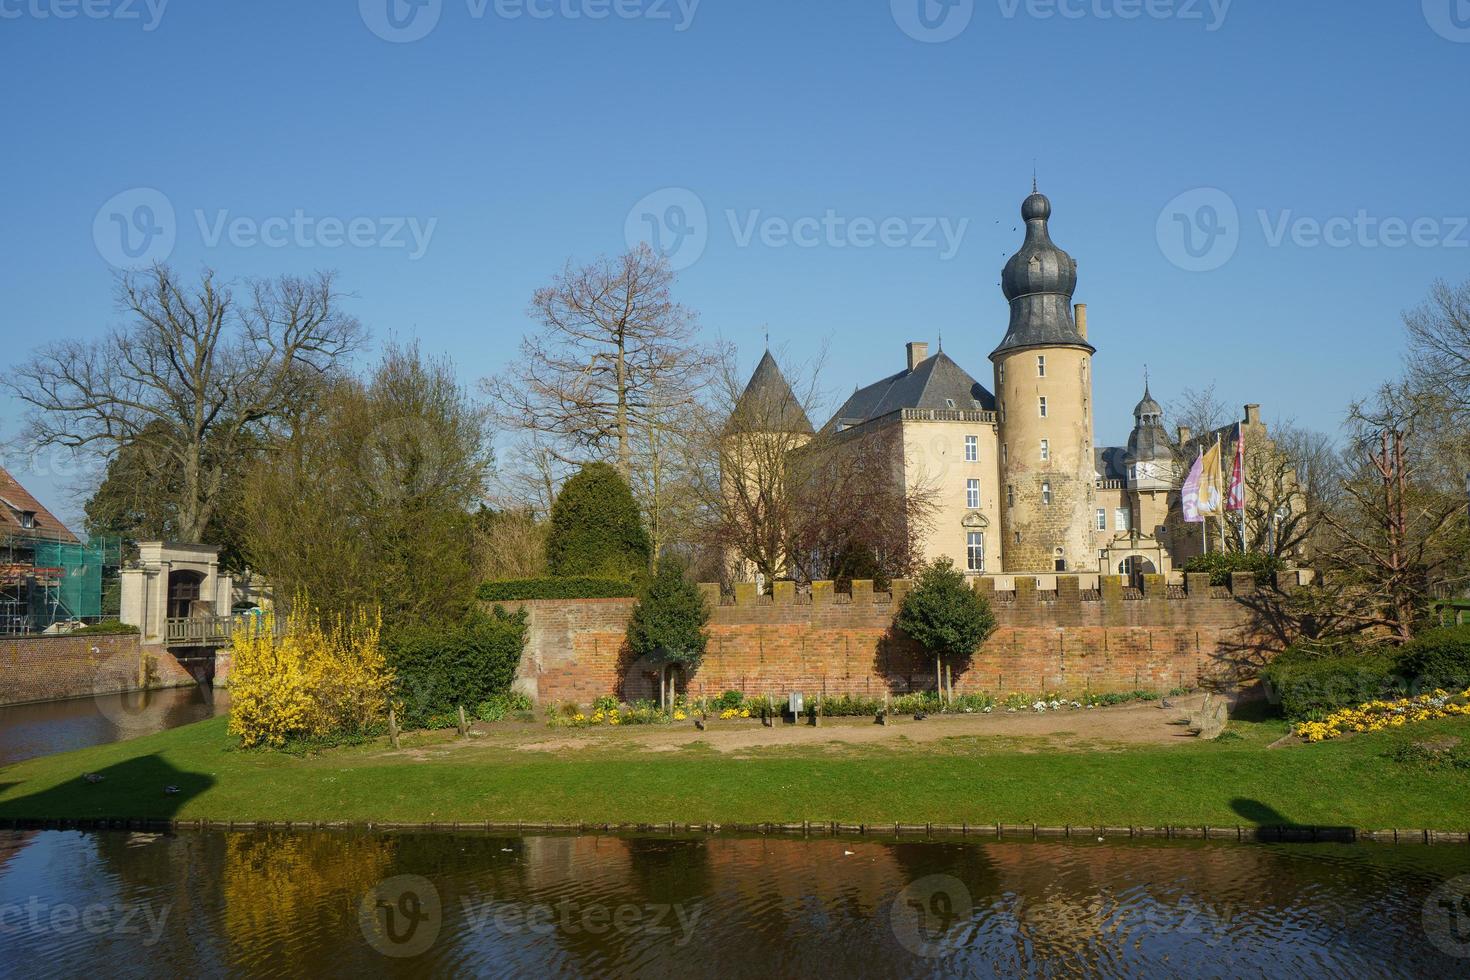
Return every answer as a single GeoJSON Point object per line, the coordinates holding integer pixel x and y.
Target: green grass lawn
{"type": "Point", "coordinates": [1350, 782]}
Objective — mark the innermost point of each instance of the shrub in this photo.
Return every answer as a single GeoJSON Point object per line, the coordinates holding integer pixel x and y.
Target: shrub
{"type": "Point", "coordinates": [596, 529]}
{"type": "Point", "coordinates": [312, 683]}
{"type": "Point", "coordinates": [668, 624]}
{"type": "Point", "coordinates": [501, 706]}
{"type": "Point", "coordinates": [1220, 565]}
{"type": "Point", "coordinates": [944, 615]}
{"type": "Point", "coordinates": [109, 627]}
{"type": "Point", "coordinates": [438, 667]}
{"type": "Point", "coordinates": [557, 588]}
{"type": "Point", "coordinates": [1308, 682]}
{"type": "Point", "coordinates": [1438, 657]}
{"type": "Point", "coordinates": [730, 699]}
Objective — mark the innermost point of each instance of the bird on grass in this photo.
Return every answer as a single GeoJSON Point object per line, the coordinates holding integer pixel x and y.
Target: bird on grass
{"type": "Point", "coordinates": [92, 777]}
{"type": "Point", "coordinates": [699, 723]}
{"type": "Point", "coordinates": [919, 716]}
{"type": "Point", "coordinates": [1165, 703]}
{"type": "Point", "coordinates": [170, 790]}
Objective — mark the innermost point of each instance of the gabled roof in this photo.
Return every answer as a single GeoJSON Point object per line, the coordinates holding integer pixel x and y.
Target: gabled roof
{"type": "Point", "coordinates": [936, 383]}
{"type": "Point", "coordinates": [768, 402]}
{"type": "Point", "coordinates": [16, 501]}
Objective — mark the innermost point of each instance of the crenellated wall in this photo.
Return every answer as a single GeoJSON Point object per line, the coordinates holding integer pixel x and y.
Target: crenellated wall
{"type": "Point", "coordinates": [1086, 633]}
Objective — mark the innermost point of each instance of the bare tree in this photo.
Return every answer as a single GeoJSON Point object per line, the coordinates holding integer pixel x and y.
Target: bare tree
{"type": "Point", "coordinates": [1439, 341]}
{"type": "Point", "coordinates": [1199, 410]}
{"type": "Point", "coordinates": [194, 377]}
{"type": "Point", "coordinates": [1400, 528]}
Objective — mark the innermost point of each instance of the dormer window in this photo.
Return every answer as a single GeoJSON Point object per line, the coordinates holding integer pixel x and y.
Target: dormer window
{"type": "Point", "coordinates": [28, 519]}
{"type": "Point", "coordinates": [949, 403]}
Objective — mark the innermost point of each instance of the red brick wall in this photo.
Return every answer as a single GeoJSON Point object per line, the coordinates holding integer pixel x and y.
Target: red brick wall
{"type": "Point", "coordinates": [44, 668]}
{"type": "Point", "coordinates": [1113, 641]}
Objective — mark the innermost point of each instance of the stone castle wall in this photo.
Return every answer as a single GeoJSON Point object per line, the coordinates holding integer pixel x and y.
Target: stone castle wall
{"type": "Point", "coordinates": [1108, 639]}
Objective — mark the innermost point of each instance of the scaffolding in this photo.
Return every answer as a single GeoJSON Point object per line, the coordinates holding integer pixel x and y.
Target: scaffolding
{"type": "Point", "coordinates": [44, 582]}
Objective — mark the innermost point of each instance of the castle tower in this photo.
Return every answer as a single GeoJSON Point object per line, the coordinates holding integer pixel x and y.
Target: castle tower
{"type": "Point", "coordinates": [1043, 385]}
{"type": "Point", "coordinates": [1152, 466]}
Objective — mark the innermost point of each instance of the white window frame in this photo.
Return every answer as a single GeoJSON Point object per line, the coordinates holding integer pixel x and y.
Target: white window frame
{"type": "Point", "coordinates": [1041, 365]}
{"type": "Point", "coordinates": [1045, 450]}
{"type": "Point", "coordinates": [972, 449]}
{"type": "Point", "coordinates": [1102, 518]}
{"type": "Point", "coordinates": [1000, 373]}
{"type": "Point", "coordinates": [1041, 405]}
{"type": "Point", "coordinates": [975, 551]}
{"type": "Point", "coordinates": [972, 494]}
{"type": "Point", "coordinates": [1122, 519]}
{"type": "Point", "coordinates": [1046, 493]}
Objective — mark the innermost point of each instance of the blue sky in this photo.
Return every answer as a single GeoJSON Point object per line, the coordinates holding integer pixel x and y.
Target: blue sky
{"type": "Point", "coordinates": [515, 134]}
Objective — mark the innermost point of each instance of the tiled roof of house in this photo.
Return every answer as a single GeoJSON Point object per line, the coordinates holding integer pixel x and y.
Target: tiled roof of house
{"type": "Point", "coordinates": [16, 502]}
{"type": "Point", "coordinates": [935, 383]}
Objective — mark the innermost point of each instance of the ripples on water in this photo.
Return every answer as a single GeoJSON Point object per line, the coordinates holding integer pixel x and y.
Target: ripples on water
{"type": "Point", "coordinates": [292, 904]}
{"type": "Point", "coordinates": [30, 730]}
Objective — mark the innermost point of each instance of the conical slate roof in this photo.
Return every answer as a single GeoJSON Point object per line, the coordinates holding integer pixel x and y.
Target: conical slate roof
{"type": "Point", "coordinates": [1149, 440]}
{"type": "Point", "coordinates": [768, 404]}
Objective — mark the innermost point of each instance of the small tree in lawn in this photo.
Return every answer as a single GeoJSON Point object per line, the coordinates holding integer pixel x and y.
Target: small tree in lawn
{"type": "Point", "coordinates": [945, 616]}
{"type": "Point", "coordinates": [668, 624]}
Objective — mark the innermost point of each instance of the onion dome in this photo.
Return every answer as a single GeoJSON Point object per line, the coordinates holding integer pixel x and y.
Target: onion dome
{"type": "Point", "coordinates": [1149, 441]}
{"type": "Point", "coordinates": [1039, 281]}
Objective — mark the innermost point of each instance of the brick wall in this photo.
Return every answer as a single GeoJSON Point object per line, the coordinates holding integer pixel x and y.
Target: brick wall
{"type": "Point", "coordinates": [1107, 639]}
{"type": "Point", "coordinates": [44, 668]}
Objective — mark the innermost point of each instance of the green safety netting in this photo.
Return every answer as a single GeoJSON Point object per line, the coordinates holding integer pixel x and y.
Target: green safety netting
{"type": "Point", "coordinates": [79, 593]}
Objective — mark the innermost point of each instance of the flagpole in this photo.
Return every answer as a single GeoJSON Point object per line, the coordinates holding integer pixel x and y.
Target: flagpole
{"type": "Point", "coordinates": [1204, 522]}
{"type": "Point", "coordinates": [1244, 483]}
{"type": "Point", "coordinates": [1219, 459]}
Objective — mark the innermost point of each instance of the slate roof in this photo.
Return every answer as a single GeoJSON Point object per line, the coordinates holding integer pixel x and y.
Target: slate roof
{"type": "Point", "coordinates": [1111, 462]}
{"type": "Point", "coordinates": [772, 405]}
{"type": "Point", "coordinates": [936, 383]}
{"type": "Point", "coordinates": [15, 500]}
{"type": "Point", "coordinates": [1039, 281]}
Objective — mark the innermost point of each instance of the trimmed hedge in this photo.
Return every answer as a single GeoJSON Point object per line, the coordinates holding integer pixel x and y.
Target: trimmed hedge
{"type": "Point", "coordinates": [595, 528]}
{"type": "Point", "coordinates": [1220, 564]}
{"type": "Point", "coordinates": [109, 627]}
{"type": "Point", "coordinates": [437, 668]}
{"type": "Point", "coordinates": [1309, 684]}
{"type": "Point", "coordinates": [517, 590]}
{"type": "Point", "coordinates": [1439, 658]}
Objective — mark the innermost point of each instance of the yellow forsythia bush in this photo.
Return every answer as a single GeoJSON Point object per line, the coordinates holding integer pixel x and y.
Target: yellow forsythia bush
{"type": "Point", "coordinates": [310, 682]}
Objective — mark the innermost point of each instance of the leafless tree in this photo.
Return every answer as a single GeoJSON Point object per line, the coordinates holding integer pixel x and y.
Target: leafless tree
{"type": "Point", "coordinates": [613, 375]}
{"type": "Point", "coordinates": [1439, 341]}
{"type": "Point", "coordinates": [194, 376]}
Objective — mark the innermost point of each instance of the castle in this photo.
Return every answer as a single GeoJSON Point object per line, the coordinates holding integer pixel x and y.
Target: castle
{"type": "Point", "coordinates": [1018, 482]}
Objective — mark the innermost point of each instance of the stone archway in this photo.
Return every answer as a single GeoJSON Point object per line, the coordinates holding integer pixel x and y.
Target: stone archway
{"type": "Point", "coordinates": [1134, 568]}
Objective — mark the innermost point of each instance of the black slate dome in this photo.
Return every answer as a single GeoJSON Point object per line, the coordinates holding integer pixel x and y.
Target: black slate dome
{"type": "Point", "coordinates": [1149, 440]}
{"type": "Point", "coordinates": [1039, 281]}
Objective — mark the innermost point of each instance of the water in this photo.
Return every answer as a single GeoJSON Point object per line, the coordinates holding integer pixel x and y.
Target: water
{"type": "Point", "coordinates": [29, 730]}
{"type": "Point", "coordinates": [320, 903]}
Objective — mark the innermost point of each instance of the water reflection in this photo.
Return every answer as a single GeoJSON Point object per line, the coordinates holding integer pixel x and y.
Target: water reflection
{"type": "Point", "coordinates": [30, 730]}
{"type": "Point", "coordinates": [476, 904]}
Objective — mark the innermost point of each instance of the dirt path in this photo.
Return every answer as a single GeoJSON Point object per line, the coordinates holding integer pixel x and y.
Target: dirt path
{"type": "Point", "coordinates": [1143, 723]}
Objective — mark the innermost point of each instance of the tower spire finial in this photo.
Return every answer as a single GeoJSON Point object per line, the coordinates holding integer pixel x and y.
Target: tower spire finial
{"type": "Point", "coordinates": [941, 341]}
{"type": "Point", "coordinates": [768, 338]}
{"type": "Point", "coordinates": [1033, 175]}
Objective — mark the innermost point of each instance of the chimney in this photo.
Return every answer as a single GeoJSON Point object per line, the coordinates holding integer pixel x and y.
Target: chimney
{"type": "Point", "coordinates": [1081, 312]}
{"type": "Point", "coordinates": [1184, 435]}
{"type": "Point", "coordinates": [1253, 415]}
{"type": "Point", "coordinates": [917, 352]}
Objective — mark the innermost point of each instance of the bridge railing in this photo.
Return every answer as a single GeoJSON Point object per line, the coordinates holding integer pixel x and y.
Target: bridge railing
{"type": "Point", "coordinates": [213, 631]}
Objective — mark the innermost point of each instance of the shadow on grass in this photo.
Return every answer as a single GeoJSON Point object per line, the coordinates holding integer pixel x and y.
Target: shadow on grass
{"type": "Point", "coordinates": [145, 787]}
{"type": "Point", "coordinates": [1273, 825]}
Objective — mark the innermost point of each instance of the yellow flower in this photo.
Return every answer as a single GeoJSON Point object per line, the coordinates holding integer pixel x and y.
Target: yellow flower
{"type": "Point", "coordinates": [680, 716]}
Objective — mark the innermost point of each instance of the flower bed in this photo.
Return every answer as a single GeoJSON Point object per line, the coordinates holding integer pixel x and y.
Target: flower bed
{"type": "Point", "coordinates": [1375, 716]}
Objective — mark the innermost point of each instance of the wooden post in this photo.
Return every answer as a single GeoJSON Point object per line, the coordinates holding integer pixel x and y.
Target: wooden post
{"type": "Point", "coordinates": [392, 727]}
{"type": "Point", "coordinates": [949, 681]}
{"type": "Point", "coordinates": [464, 726]}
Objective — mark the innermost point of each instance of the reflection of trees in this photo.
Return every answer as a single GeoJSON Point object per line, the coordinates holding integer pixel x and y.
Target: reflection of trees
{"type": "Point", "coordinates": [277, 888]}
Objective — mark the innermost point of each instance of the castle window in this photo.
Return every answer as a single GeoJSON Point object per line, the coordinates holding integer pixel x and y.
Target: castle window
{"type": "Point", "coordinates": [1041, 365]}
{"type": "Point", "coordinates": [1004, 452]}
{"type": "Point", "coordinates": [972, 449]}
{"type": "Point", "coordinates": [1046, 493]}
{"type": "Point", "coordinates": [1102, 519]}
{"type": "Point", "coordinates": [1041, 403]}
{"type": "Point", "coordinates": [975, 551]}
{"type": "Point", "coordinates": [1018, 537]}
{"type": "Point", "coordinates": [1045, 450]}
{"type": "Point", "coordinates": [1120, 519]}
{"type": "Point", "coordinates": [1010, 495]}
{"type": "Point", "coordinates": [1000, 375]}
{"type": "Point", "coordinates": [972, 494]}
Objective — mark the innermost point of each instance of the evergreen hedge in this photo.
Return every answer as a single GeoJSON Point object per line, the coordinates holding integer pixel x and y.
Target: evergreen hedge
{"type": "Point", "coordinates": [1220, 564]}
{"type": "Point", "coordinates": [438, 667]}
{"type": "Point", "coordinates": [595, 528]}
{"type": "Point", "coordinates": [517, 590]}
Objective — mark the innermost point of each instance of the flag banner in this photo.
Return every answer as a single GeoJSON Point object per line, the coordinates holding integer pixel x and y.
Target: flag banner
{"type": "Point", "coordinates": [1189, 496]}
{"type": "Point", "coordinates": [1235, 498]}
{"type": "Point", "coordinates": [1209, 483]}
